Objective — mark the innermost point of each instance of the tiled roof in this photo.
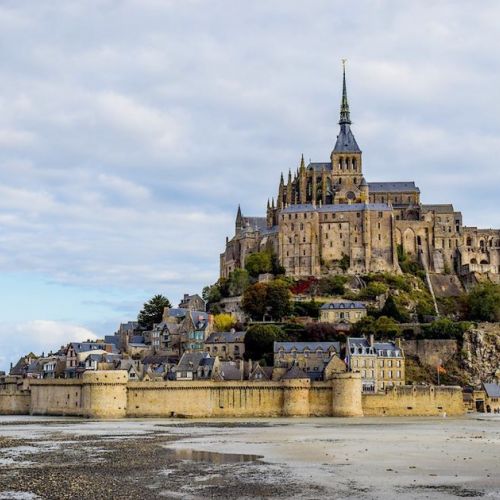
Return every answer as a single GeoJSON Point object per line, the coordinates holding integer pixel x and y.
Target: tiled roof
{"type": "Point", "coordinates": [191, 360]}
{"type": "Point", "coordinates": [229, 371]}
{"type": "Point", "coordinates": [302, 346]}
{"type": "Point", "coordinates": [347, 304]}
{"type": "Point", "coordinates": [320, 166]}
{"type": "Point", "coordinates": [393, 187]}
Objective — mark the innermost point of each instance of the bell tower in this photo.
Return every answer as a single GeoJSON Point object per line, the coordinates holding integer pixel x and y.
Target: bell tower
{"type": "Point", "coordinates": [346, 156]}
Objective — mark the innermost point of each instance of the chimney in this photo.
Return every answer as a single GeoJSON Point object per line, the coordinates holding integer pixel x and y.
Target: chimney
{"type": "Point", "coordinates": [372, 339]}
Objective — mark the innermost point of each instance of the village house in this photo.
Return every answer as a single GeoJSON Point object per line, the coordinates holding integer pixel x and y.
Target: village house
{"type": "Point", "coordinates": [346, 311]}
{"type": "Point", "coordinates": [196, 366]}
{"type": "Point", "coordinates": [193, 302]}
{"type": "Point", "coordinates": [492, 397]}
{"type": "Point", "coordinates": [311, 357]}
{"type": "Point", "coordinates": [77, 352]}
{"type": "Point", "coordinates": [381, 364]}
{"type": "Point", "coordinates": [229, 346]}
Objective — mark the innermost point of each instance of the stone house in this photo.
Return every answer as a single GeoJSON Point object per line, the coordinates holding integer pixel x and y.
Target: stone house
{"type": "Point", "coordinates": [196, 366]}
{"type": "Point", "coordinates": [381, 364]}
{"type": "Point", "coordinates": [491, 397]}
{"type": "Point", "coordinates": [228, 346]}
{"type": "Point", "coordinates": [311, 357]}
{"type": "Point", "coordinates": [346, 311]}
{"type": "Point", "coordinates": [193, 302]}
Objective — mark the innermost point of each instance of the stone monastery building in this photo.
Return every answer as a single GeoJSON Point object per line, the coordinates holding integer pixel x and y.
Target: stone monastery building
{"type": "Point", "coordinates": [327, 213]}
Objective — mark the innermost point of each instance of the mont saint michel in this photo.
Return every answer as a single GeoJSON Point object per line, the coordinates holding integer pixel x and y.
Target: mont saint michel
{"type": "Point", "coordinates": [327, 212]}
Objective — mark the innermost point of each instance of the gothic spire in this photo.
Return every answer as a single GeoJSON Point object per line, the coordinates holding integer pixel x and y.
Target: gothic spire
{"type": "Point", "coordinates": [345, 116]}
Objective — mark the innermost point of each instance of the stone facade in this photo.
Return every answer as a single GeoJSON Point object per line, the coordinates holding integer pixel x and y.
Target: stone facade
{"type": "Point", "coordinates": [327, 212]}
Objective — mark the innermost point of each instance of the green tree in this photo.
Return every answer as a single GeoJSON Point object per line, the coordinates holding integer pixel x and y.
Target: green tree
{"type": "Point", "coordinates": [259, 263]}
{"type": "Point", "coordinates": [373, 290]}
{"type": "Point", "coordinates": [259, 342]}
{"type": "Point", "coordinates": [254, 301]}
{"type": "Point", "coordinates": [332, 285]}
{"type": "Point", "coordinates": [267, 298]}
{"type": "Point", "coordinates": [483, 302]}
{"type": "Point", "coordinates": [152, 311]}
{"type": "Point", "coordinates": [278, 299]}
{"type": "Point", "coordinates": [345, 262]}
{"type": "Point", "coordinates": [382, 327]}
{"type": "Point", "coordinates": [444, 328]}
{"type": "Point", "coordinates": [211, 294]}
{"type": "Point", "coordinates": [392, 310]}
{"type": "Point", "coordinates": [238, 282]}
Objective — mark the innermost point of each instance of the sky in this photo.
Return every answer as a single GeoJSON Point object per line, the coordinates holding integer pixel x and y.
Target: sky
{"type": "Point", "coordinates": [130, 130]}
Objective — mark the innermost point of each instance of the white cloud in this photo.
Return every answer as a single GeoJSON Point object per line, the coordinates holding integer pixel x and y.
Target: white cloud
{"type": "Point", "coordinates": [38, 336]}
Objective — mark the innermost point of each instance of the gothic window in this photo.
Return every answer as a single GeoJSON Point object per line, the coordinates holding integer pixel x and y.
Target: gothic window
{"type": "Point", "coordinates": [292, 226]}
{"type": "Point", "coordinates": [340, 181]}
{"type": "Point", "coordinates": [354, 163]}
{"type": "Point", "coordinates": [469, 242]}
{"type": "Point", "coordinates": [301, 226]}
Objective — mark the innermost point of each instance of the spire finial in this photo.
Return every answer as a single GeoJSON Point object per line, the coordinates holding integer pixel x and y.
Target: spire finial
{"type": "Point", "coordinates": [302, 163]}
{"type": "Point", "coordinates": [345, 117]}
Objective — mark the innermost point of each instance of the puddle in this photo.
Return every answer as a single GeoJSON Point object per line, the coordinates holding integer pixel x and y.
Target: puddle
{"type": "Point", "coordinates": [213, 457]}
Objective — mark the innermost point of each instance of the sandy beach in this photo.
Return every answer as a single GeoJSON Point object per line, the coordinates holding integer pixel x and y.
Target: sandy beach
{"type": "Point", "coordinates": [259, 458]}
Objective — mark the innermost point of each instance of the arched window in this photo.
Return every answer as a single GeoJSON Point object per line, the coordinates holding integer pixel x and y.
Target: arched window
{"type": "Point", "coordinates": [469, 241]}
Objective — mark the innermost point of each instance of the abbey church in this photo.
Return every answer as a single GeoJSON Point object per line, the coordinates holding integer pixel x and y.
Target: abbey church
{"type": "Point", "coordinates": [327, 216]}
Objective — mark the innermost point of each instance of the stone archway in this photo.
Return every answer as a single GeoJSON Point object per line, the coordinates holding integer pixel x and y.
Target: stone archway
{"type": "Point", "coordinates": [409, 242]}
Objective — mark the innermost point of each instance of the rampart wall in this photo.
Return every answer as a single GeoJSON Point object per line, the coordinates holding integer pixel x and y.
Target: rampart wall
{"type": "Point", "coordinates": [410, 400]}
{"type": "Point", "coordinates": [108, 394]}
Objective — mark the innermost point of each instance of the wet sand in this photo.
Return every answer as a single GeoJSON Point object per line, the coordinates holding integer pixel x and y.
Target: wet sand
{"type": "Point", "coordinates": [259, 458]}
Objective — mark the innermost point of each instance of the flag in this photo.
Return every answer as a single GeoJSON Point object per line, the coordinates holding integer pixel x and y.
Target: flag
{"type": "Point", "coordinates": [440, 369]}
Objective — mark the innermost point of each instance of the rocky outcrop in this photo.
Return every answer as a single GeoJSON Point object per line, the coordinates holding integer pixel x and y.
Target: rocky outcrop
{"type": "Point", "coordinates": [481, 353]}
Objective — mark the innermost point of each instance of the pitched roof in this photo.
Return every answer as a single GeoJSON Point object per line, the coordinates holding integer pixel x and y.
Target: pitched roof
{"type": "Point", "coordinates": [225, 337]}
{"type": "Point", "coordinates": [393, 187]}
{"type": "Point", "coordinates": [295, 373]}
{"type": "Point", "coordinates": [439, 209]}
{"type": "Point", "coordinates": [191, 360]}
{"type": "Point", "coordinates": [229, 371]}
{"type": "Point", "coordinates": [493, 390]}
{"type": "Point", "coordinates": [346, 143]}
{"type": "Point", "coordinates": [302, 346]}
{"type": "Point", "coordinates": [346, 304]}
{"type": "Point", "coordinates": [341, 207]}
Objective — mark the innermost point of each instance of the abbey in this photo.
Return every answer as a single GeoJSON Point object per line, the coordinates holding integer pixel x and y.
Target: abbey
{"type": "Point", "coordinates": [327, 217]}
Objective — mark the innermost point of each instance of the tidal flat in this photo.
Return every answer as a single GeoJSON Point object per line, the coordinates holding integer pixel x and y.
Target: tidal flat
{"type": "Point", "coordinates": [66, 458]}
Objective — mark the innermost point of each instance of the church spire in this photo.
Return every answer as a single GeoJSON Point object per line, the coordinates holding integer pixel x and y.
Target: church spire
{"type": "Point", "coordinates": [345, 116]}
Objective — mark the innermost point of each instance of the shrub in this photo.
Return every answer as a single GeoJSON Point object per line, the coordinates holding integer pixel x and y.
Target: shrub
{"type": "Point", "coordinates": [259, 342]}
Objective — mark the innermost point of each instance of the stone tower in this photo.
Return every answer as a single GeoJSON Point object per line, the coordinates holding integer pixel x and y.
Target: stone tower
{"type": "Point", "coordinates": [346, 157]}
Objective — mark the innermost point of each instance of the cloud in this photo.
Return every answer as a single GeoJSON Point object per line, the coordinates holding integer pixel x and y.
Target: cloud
{"type": "Point", "coordinates": [38, 336]}
{"type": "Point", "coordinates": [130, 133]}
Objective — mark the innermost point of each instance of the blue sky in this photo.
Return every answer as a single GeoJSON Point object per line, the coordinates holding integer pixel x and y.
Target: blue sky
{"type": "Point", "coordinates": [130, 130]}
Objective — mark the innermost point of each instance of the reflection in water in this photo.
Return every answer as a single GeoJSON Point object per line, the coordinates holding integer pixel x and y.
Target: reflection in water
{"type": "Point", "coordinates": [214, 457]}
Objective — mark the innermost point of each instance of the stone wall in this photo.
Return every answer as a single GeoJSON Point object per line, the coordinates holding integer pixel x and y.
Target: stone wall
{"type": "Point", "coordinates": [14, 400]}
{"type": "Point", "coordinates": [108, 394]}
{"type": "Point", "coordinates": [430, 351]}
{"type": "Point", "coordinates": [403, 401]}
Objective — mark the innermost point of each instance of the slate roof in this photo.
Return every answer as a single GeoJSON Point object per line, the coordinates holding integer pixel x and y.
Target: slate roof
{"type": "Point", "coordinates": [158, 359]}
{"type": "Point", "coordinates": [88, 346]}
{"type": "Point", "coordinates": [294, 373]}
{"type": "Point", "coordinates": [301, 346]}
{"type": "Point", "coordinates": [384, 349]}
{"type": "Point", "coordinates": [137, 339]}
{"type": "Point", "coordinates": [347, 304]}
{"type": "Point", "coordinates": [341, 207]}
{"type": "Point", "coordinates": [439, 209]}
{"type": "Point", "coordinates": [191, 360]}
{"type": "Point", "coordinates": [493, 390]}
{"type": "Point", "coordinates": [393, 187]}
{"type": "Point", "coordinates": [346, 143]}
{"type": "Point", "coordinates": [177, 312]}
{"type": "Point", "coordinates": [319, 166]}
{"type": "Point", "coordinates": [225, 337]}
{"type": "Point", "coordinates": [255, 222]}
{"type": "Point", "coordinates": [229, 371]}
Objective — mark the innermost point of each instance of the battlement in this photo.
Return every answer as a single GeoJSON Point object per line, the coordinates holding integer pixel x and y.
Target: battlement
{"type": "Point", "coordinates": [109, 394]}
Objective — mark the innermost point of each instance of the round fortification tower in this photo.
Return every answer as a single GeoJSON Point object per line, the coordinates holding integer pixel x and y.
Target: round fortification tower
{"type": "Point", "coordinates": [296, 397]}
{"type": "Point", "coordinates": [346, 400]}
{"type": "Point", "coordinates": [105, 393]}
